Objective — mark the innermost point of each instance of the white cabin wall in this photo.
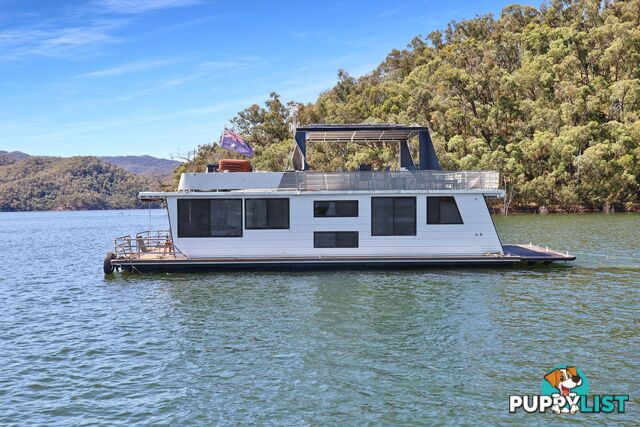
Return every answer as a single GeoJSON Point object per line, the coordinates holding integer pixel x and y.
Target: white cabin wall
{"type": "Point", "coordinates": [477, 236]}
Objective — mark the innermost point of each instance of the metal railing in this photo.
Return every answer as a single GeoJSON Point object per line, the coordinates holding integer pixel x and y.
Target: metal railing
{"type": "Point", "coordinates": [150, 243]}
{"type": "Point", "coordinates": [419, 180]}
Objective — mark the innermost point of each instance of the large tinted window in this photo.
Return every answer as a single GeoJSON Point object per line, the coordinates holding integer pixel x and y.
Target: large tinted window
{"type": "Point", "coordinates": [193, 217]}
{"type": "Point", "coordinates": [335, 239]}
{"type": "Point", "coordinates": [443, 210]}
{"type": "Point", "coordinates": [393, 216]}
{"type": "Point", "coordinates": [226, 218]}
{"type": "Point", "coordinates": [267, 213]}
{"type": "Point", "coordinates": [335, 208]}
{"type": "Point", "coordinates": [209, 218]}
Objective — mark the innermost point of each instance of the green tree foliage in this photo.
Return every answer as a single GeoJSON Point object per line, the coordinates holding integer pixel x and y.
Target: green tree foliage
{"type": "Point", "coordinates": [550, 97]}
{"type": "Point", "coordinates": [74, 183]}
{"type": "Point", "coordinates": [267, 129]}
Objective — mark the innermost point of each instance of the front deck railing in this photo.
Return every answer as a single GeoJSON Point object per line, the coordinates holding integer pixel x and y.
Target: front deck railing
{"type": "Point", "coordinates": [419, 180]}
{"type": "Point", "coordinates": [146, 244]}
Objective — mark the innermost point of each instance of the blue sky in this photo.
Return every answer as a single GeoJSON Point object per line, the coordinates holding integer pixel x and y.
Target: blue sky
{"type": "Point", "coordinates": [159, 77]}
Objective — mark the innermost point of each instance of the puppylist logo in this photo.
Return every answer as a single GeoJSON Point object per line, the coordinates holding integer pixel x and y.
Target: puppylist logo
{"type": "Point", "coordinates": [564, 390]}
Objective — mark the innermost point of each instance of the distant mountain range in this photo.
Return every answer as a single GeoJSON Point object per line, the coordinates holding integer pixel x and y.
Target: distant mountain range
{"type": "Point", "coordinates": [29, 183]}
{"type": "Point", "coordinates": [7, 157]}
{"type": "Point", "coordinates": [143, 165]}
{"type": "Point", "coordinates": [140, 165]}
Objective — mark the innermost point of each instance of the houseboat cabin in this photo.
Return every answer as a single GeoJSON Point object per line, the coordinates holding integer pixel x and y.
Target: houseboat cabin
{"type": "Point", "coordinates": [418, 216]}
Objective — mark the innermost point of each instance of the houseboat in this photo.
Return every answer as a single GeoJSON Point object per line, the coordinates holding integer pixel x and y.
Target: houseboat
{"type": "Point", "coordinates": [234, 218]}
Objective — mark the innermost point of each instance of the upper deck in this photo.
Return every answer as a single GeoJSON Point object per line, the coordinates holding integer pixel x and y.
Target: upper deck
{"type": "Point", "coordinates": [417, 181]}
{"type": "Point", "coordinates": [424, 177]}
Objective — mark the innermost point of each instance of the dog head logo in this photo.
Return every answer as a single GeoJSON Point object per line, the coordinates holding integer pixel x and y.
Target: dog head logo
{"type": "Point", "coordinates": [565, 384]}
{"type": "Point", "coordinates": [564, 380]}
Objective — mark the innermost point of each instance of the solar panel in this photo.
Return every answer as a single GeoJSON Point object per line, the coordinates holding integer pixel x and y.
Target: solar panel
{"type": "Point", "coordinates": [360, 132]}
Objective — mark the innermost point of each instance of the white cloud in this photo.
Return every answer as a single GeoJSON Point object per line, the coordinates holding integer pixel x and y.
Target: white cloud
{"type": "Point", "coordinates": [56, 41]}
{"type": "Point", "coordinates": [141, 6]}
{"type": "Point", "coordinates": [387, 13]}
{"type": "Point", "coordinates": [128, 68]}
{"type": "Point", "coordinates": [77, 32]}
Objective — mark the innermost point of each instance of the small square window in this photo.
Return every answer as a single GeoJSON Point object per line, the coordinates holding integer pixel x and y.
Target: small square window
{"type": "Point", "coordinates": [335, 239]}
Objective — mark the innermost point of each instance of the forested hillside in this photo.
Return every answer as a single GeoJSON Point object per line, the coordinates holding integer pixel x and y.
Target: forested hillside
{"type": "Point", "coordinates": [550, 97]}
{"type": "Point", "coordinates": [143, 165]}
{"type": "Point", "coordinates": [73, 183]}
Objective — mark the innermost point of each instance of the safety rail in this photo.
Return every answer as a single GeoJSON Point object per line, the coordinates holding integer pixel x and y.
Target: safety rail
{"type": "Point", "coordinates": [415, 180]}
{"type": "Point", "coordinates": [146, 244]}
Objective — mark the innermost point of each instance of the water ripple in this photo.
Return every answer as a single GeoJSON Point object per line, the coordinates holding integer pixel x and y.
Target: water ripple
{"type": "Point", "coordinates": [414, 347]}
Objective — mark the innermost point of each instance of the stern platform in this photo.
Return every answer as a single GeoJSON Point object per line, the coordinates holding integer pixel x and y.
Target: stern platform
{"type": "Point", "coordinates": [532, 254]}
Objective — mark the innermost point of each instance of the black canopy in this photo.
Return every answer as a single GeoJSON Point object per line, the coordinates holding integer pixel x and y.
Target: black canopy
{"type": "Point", "coordinates": [381, 132]}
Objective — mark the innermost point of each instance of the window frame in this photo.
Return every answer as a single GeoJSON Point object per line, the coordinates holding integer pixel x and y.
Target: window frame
{"type": "Point", "coordinates": [356, 202]}
{"type": "Point", "coordinates": [394, 198]}
{"type": "Point", "coordinates": [316, 233]}
{"type": "Point", "coordinates": [455, 203]}
{"type": "Point", "coordinates": [246, 224]}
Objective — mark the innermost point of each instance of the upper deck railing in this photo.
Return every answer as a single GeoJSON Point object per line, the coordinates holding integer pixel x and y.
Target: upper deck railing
{"type": "Point", "coordinates": [418, 180]}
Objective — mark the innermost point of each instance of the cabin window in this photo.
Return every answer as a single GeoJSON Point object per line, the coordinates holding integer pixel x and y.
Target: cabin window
{"type": "Point", "coordinates": [226, 218]}
{"type": "Point", "coordinates": [335, 208]}
{"type": "Point", "coordinates": [209, 217]}
{"type": "Point", "coordinates": [443, 210]}
{"type": "Point", "coordinates": [335, 239]}
{"type": "Point", "coordinates": [393, 216]}
{"type": "Point", "coordinates": [193, 217]}
{"type": "Point", "coordinates": [264, 214]}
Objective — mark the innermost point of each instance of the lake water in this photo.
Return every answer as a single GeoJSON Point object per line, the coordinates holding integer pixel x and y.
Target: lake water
{"type": "Point", "coordinates": [411, 347]}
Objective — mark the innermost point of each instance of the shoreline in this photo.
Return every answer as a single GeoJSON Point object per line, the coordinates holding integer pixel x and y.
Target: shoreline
{"type": "Point", "coordinates": [86, 210]}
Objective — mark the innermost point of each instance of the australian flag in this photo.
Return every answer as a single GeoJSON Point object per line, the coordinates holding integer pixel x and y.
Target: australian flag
{"type": "Point", "coordinates": [234, 142]}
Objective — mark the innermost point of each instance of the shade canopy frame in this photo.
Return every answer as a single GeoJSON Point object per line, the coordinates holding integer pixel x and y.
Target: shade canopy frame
{"type": "Point", "coordinates": [367, 133]}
